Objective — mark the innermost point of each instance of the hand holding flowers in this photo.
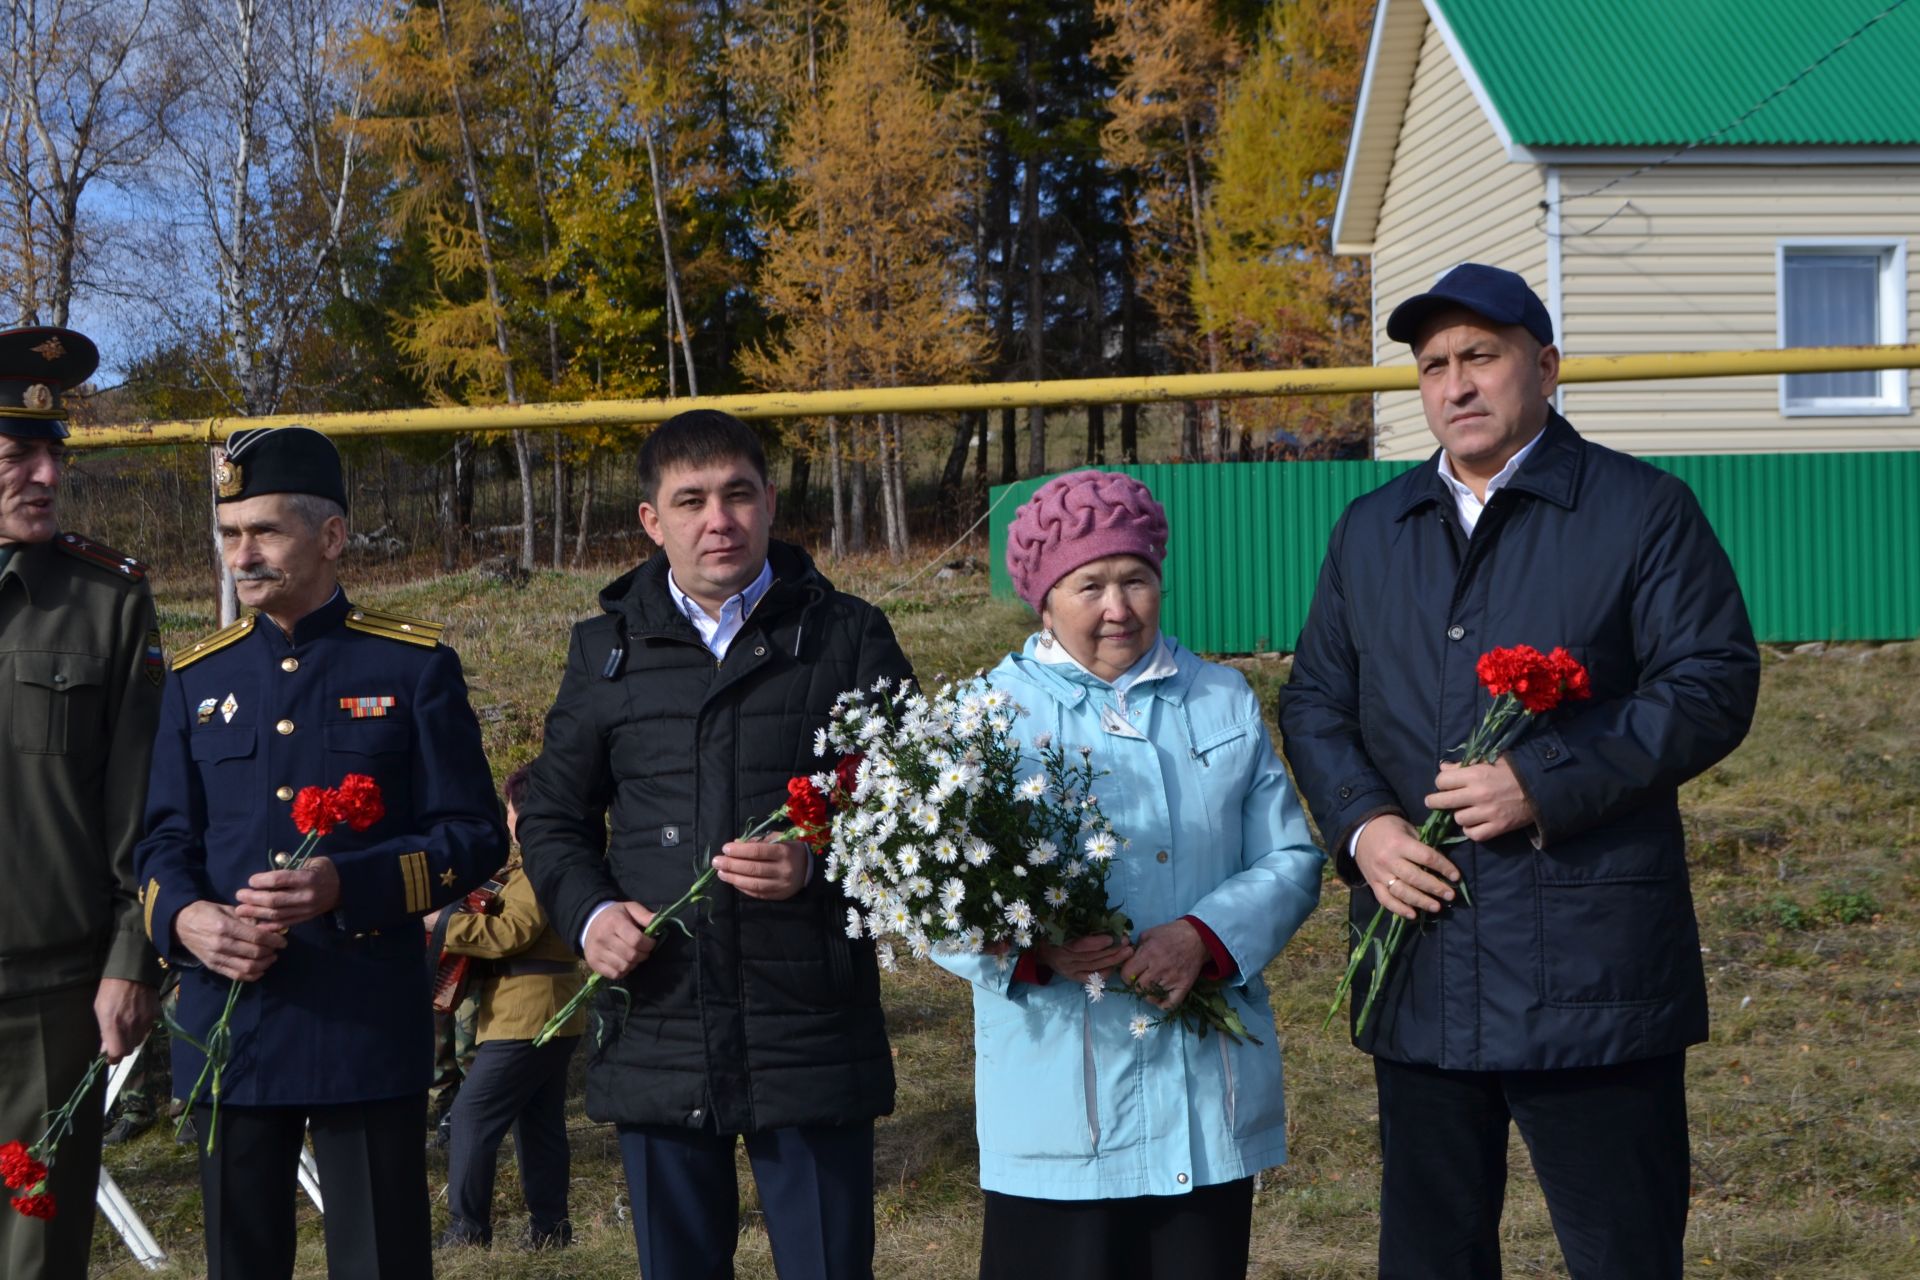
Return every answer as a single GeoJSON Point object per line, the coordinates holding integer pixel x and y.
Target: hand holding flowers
{"type": "Point", "coordinates": [356, 804]}
{"type": "Point", "coordinates": [947, 837]}
{"type": "Point", "coordinates": [1482, 791]}
{"type": "Point", "coordinates": [773, 869]}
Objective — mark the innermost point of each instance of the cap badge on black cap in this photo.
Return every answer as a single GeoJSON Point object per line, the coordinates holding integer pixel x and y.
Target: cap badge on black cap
{"type": "Point", "coordinates": [51, 349]}
{"type": "Point", "coordinates": [229, 478]}
{"type": "Point", "coordinates": [38, 397]}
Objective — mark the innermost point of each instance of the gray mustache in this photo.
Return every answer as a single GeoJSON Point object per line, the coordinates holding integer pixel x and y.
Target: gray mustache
{"type": "Point", "coordinates": [261, 574]}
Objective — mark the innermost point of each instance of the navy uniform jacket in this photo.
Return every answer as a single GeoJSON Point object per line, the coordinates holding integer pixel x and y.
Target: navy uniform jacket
{"type": "Point", "coordinates": [251, 717]}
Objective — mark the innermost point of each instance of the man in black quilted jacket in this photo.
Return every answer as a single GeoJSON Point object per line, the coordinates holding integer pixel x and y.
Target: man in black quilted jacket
{"type": "Point", "coordinates": [685, 708]}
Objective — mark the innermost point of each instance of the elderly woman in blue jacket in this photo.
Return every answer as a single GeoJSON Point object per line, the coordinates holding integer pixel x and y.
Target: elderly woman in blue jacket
{"type": "Point", "coordinates": [1105, 1153]}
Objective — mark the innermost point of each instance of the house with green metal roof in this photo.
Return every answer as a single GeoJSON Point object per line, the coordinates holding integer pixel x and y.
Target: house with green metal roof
{"type": "Point", "coordinates": [1670, 175]}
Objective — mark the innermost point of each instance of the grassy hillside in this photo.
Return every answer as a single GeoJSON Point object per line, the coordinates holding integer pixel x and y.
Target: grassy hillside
{"type": "Point", "coordinates": [1805, 1102]}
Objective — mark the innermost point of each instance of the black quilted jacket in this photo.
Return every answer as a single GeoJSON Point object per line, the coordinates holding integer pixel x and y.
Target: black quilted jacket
{"type": "Point", "coordinates": [768, 1015]}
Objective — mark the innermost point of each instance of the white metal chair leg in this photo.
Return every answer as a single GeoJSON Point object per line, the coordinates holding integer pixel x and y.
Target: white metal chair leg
{"type": "Point", "coordinates": [119, 1211]}
{"type": "Point", "coordinates": [310, 1177]}
{"type": "Point", "coordinates": [112, 1201]}
{"type": "Point", "coordinates": [117, 1075]}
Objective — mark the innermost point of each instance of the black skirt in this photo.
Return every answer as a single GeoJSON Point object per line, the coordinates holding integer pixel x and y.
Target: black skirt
{"type": "Point", "coordinates": [1198, 1236]}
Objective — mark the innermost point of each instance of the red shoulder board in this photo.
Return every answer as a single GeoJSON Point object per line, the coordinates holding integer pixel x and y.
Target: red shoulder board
{"type": "Point", "coordinates": [99, 554]}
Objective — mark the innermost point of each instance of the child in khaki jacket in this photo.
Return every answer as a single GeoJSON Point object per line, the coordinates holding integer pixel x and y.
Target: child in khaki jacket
{"type": "Point", "coordinates": [530, 974]}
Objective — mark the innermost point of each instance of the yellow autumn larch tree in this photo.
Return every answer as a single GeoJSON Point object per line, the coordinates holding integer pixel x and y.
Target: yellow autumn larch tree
{"type": "Point", "coordinates": [1173, 61]}
{"type": "Point", "coordinates": [864, 271]}
{"type": "Point", "coordinates": [1266, 279]}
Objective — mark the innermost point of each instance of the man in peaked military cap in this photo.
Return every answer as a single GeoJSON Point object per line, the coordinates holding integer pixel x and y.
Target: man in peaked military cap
{"type": "Point", "coordinates": [80, 661]}
{"type": "Point", "coordinates": [335, 1032]}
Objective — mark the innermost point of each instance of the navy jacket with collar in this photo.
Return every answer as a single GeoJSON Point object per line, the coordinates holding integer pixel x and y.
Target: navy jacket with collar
{"type": "Point", "coordinates": [1583, 950]}
{"type": "Point", "coordinates": [250, 717]}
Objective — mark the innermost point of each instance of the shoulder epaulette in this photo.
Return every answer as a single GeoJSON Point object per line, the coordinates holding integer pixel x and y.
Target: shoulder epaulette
{"type": "Point", "coordinates": [213, 643]}
{"type": "Point", "coordinates": [81, 547]}
{"type": "Point", "coordinates": [395, 626]}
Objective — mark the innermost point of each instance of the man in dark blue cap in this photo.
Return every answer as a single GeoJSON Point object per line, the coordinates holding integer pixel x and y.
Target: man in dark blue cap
{"type": "Point", "coordinates": [80, 662]}
{"type": "Point", "coordinates": [334, 1032]}
{"type": "Point", "coordinates": [1553, 979]}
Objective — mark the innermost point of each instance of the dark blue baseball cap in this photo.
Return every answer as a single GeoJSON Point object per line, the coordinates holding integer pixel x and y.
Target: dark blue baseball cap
{"type": "Point", "coordinates": [1498, 295]}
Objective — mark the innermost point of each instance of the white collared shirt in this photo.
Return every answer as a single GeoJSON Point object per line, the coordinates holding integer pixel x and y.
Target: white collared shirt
{"type": "Point", "coordinates": [1465, 503]}
{"type": "Point", "coordinates": [718, 633]}
{"type": "Point", "coordinates": [1469, 509]}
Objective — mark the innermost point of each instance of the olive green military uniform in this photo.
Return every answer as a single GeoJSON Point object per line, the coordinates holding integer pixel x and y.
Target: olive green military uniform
{"type": "Point", "coordinates": [81, 668]}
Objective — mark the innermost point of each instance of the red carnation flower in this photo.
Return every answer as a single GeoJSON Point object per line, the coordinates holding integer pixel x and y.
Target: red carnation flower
{"type": "Point", "coordinates": [313, 811]}
{"type": "Point", "coordinates": [1540, 682]}
{"type": "Point", "coordinates": [1508, 670]}
{"type": "Point", "coordinates": [357, 802]}
{"type": "Point", "coordinates": [1572, 676]}
{"type": "Point", "coordinates": [807, 810]}
{"type": "Point", "coordinates": [846, 773]}
{"type": "Point", "coordinates": [18, 1167]}
{"type": "Point", "coordinates": [40, 1206]}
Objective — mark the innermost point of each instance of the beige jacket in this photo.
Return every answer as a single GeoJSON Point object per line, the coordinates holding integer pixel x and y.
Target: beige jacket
{"type": "Point", "coordinates": [515, 1006]}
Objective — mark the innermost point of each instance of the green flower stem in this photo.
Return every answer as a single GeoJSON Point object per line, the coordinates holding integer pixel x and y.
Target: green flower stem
{"type": "Point", "coordinates": [1353, 966]}
{"type": "Point", "coordinates": [1491, 738]}
{"type": "Point", "coordinates": [60, 1122]}
{"type": "Point", "coordinates": [1205, 1009]}
{"type": "Point", "coordinates": [218, 1048]}
{"type": "Point", "coordinates": [660, 920]}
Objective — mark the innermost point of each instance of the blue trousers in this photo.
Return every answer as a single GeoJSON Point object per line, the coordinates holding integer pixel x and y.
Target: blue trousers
{"type": "Point", "coordinates": [816, 1190]}
{"type": "Point", "coordinates": [511, 1085]}
{"type": "Point", "coordinates": [1609, 1145]}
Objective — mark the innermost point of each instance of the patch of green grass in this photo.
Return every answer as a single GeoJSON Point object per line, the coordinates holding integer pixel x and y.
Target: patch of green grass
{"type": "Point", "coordinates": [1805, 1101]}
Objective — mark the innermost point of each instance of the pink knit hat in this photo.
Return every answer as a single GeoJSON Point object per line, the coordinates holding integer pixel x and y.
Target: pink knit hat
{"type": "Point", "coordinates": [1076, 519]}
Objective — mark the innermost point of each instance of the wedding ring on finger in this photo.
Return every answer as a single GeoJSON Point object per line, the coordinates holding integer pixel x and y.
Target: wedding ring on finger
{"type": "Point", "coordinates": [1392, 881]}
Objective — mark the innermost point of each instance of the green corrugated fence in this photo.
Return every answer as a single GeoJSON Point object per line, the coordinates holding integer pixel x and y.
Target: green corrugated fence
{"type": "Point", "coordinates": [1826, 545]}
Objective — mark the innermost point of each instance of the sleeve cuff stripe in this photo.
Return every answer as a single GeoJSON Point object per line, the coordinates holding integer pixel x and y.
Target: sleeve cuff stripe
{"type": "Point", "coordinates": [413, 877]}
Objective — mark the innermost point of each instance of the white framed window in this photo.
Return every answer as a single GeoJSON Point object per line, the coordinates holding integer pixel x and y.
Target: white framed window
{"type": "Point", "coordinates": [1842, 291]}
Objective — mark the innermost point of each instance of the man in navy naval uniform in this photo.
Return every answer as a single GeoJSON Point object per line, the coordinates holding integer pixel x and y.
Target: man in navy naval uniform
{"type": "Point", "coordinates": [335, 1032]}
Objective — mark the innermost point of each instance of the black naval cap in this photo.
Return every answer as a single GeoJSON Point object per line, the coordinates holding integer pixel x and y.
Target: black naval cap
{"type": "Point", "coordinates": [262, 460]}
{"type": "Point", "coordinates": [38, 366]}
{"type": "Point", "coordinates": [1497, 294]}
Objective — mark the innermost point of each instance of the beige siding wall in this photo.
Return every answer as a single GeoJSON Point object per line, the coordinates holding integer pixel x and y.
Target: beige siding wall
{"type": "Point", "coordinates": [1452, 197]}
{"type": "Point", "coordinates": [1683, 259]}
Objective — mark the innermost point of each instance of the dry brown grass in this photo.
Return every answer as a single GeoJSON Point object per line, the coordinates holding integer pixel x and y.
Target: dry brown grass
{"type": "Point", "coordinates": [1805, 1102]}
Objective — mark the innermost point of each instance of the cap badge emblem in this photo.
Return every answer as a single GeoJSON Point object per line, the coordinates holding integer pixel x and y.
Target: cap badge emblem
{"type": "Point", "coordinates": [50, 350]}
{"type": "Point", "coordinates": [228, 478]}
{"type": "Point", "coordinates": [38, 397]}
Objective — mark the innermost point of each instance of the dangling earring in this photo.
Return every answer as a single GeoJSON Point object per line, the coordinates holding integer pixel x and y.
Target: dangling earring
{"type": "Point", "coordinates": [1046, 637]}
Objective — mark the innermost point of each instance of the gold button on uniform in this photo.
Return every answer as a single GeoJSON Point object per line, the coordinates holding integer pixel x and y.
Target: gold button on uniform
{"type": "Point", "coordinates": [285, 726]}
{"type": "Point", "coordinates": [289, 664]}
{"type": "Point", "coordinates": [284, 793]}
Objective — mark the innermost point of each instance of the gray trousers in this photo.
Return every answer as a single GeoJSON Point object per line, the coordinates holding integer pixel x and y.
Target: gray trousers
{"type": "Point", "coordinates": [46, 1042]}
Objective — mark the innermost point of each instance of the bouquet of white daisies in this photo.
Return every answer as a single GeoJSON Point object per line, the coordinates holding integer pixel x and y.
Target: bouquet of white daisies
{"type": "Point", "coordinates": [948, 835]}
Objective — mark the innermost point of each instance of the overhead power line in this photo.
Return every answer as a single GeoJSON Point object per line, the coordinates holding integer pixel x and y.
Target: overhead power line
{"type": "Point", "coordinates": [1738, 120]}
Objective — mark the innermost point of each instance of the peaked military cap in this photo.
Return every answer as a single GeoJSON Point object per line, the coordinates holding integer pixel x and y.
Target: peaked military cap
{"type": "Point", "coordinates": [38, 366]}
{"type": "Point", "coordinates": [262, 460]}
